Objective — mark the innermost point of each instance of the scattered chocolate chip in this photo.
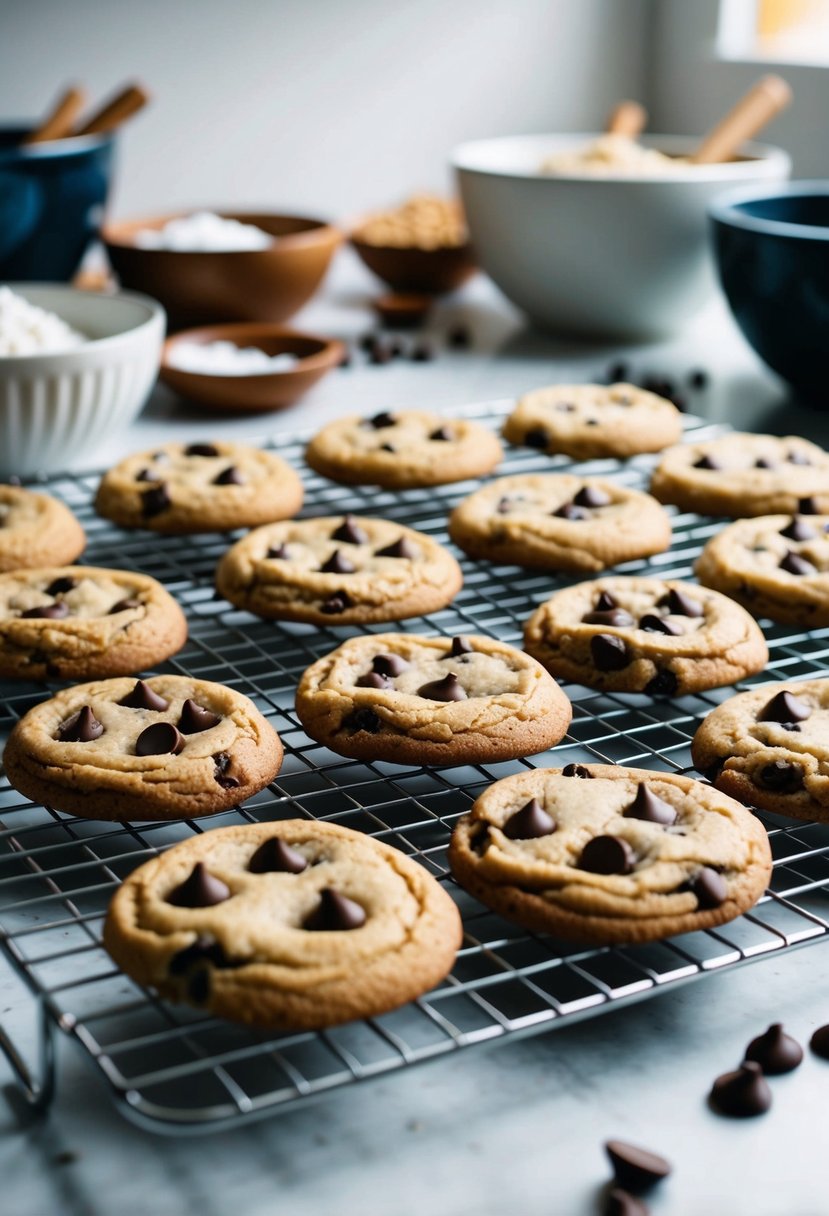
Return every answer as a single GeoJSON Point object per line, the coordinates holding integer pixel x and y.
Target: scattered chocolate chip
{"type": "Point", "coordinates": [576, 770]}
{"type": "Point", "coordinates": [201, 449]}
{"type": "Point", "coordinates": [380, 421]}
{"type": "Point", "coordinates": [364, 720]}
{"type": "Point", "coordinates": [607, 855]}
{"type": "Point", "coordinates": [374, 679]}
{"type": "Point", "coordinates": [204, 949]}
{"type": "Point", "coordinates": [679, 402]}
{"type": "Point", "coordinates": [198, 986]}
{"type": "Point", "coordinates": [709, 887]}
{"type": "Point", "coordinates": [335, 604]}
{"type": "Point", "coordinates": [660, 385]}
{"type": "Point", "coordinates": [798, 529]}
{"type": "Point", "coordinates": [221, 776]}
{"type": "Point", "coordinates": [338, 564]}
{"type": "Point", "coordinates": [447, 689]}
{"type": "Point", "coordinates": [635, 1169]}
{"type": "Point", "coordinates": [279, 551]}
{"type": "Point", "coordinates": [395, 348]}
{"type": "Point", "coordinates": [389, 664]}
{"type": "Point", "coordinates": [229, 477]}
{"type": "Point", "coordinates": [800, 458]}
{"type": "Point", "coordinates": [591, 496]}
{"type": "Point", "coordinates": [274, 856]}
{"type": "Point", "coordinates": [195, 718]}
{"type": "Point", "coordinates": [442, 435]}
{"type": "Point", "coordinates": [618, 371]}
{"type": "Point", "coordinates": [350, 532]}
{"type": "Point", "coordinates": [336, 912]}
{"type": "Point", "coordinates": [819, 1042]}
{"type": "Point", "coordinates": [775, 1051]}
{"type": "Point", "coordinates": [698, 379]}
{"type": "Point", "coordinates": [147, 475]}
{"type": "Point", "coordinates": [743, 1093]}
{"type": "Point", "coordinates": [646, 805]}
{"type": "Point", "coordinates": [60, 586]}
{"type": "Point", "coordinates": [461, 645]}
{"type": "Point", "coordinates": [66, 1156]}
{"type": "Point", "coordinates": [609, 652]}
{"type": "Point", "coordinates": [160, 739]}
{"type": "Point", "coordinates": [459, 336]}
{"type": "Point", "coordinates": [570, 511]}
{"type": "Point", "coordinates": [707, 462]}
{"type": "Point", "coordinates": [621, 1203]}
{"type": "Point", "coordinates": [46, 612]}
{"type": "Point", "coordinates": [680, 604]}
{"type": "Point", "coordinates": [400, 548]}
{"type": "Point", "coordinates": [82, 727]}
{"type": "Point", "coordinates": [346, 359]}
{"type": "Point", "coordinates": [663, 684]}
{"type": "Point", "coordinates": [422, 353]}
{"type": "Point", "coordinates": [156, 500]}
{"type": "Point", "coordinates": [529, 823]}
{"type": "Point", "coordinates": [605, 602]}
{"type": "Point", "coordinates": [124, 605]}
{"type": "Point", "coordinates": [537, 437]}
{"type": "Point", "coordinates": [781, 776]}
{"type": "Point", "coordinates": [143, 697]}
{"type": "Point", "coordinates": [368, 341]}
{"type": "Point", "coordinates": [616, 618]}
{"type": "Point", "coordinates": [200, 890]}
{"type": "Point", "coordinates": [763, 462]}
{"type": "Point", "coordinates": [652, 623]}
{"type": "Point", "coordinates": [808, 506]}
{"type": "Point", "coordinates": [793, 563]}
{"type": "Point", "coordinates": [784, 707]}
{"type": "Point", "coordinates": [380, 354]}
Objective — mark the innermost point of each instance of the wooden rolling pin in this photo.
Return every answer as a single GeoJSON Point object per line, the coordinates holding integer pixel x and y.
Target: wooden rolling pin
{"type": "Point", "coordinates": [627, 118]}
{"type": "Point", "coordinates": [61, 118]}
{"type": "Point", "coordinates": [758, 106]}
{"type": "Point", "coordinates": [126, 103]}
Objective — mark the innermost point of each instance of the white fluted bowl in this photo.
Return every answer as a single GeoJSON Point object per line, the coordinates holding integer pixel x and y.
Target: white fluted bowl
{"type": "Point", "coordinates": [56, 409]}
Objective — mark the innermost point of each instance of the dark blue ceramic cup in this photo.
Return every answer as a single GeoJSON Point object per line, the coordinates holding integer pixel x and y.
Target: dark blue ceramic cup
{"type": "Point", "coordinates": [772, 251]}
{"type": "Point", "coordinates": [52, 199]}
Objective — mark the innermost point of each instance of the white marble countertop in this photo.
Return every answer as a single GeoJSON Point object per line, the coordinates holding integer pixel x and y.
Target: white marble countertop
{"type": "Point", "coordinates": [517, 1128]}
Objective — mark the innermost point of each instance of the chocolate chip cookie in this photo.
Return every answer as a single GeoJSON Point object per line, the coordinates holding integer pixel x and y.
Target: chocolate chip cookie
{"type": "Point", "coordinates": [599, 853]}
{"type": "Point", "coordinates": [770, 748]}
{"type": "Point", "coordinates": [587, 421]}
{"type": "Point", "coordinates": [338, 571]}
{"type": "Point", "coordinates": [169, 747]}
{"type": "Point", "coordinates": [740, 475]}
{"type": "Point", "coordinates": [403, 449]}
{"type": "Point", "coordinates": [645, 635]}
{"type": "Point", "coordinates": [81, 623]}
{"type": "Point", "coordinates": [776, 566]}
{"type": "Point", "coordinates": [199, 487]}
{"type": "Point", "coordinates": [417, 700]}
{"type": "Point", "coordinates": [558, 521]}
{"type": "Point", "coordinates": [36, 530]}
{"type": "Point", "coordinates": [289, 925]}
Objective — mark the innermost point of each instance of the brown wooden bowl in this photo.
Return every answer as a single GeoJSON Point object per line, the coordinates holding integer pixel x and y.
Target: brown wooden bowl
{"type": "Point", "coordinates": [243, 285]}
{"type": "Point", "coordinates": [260, 393]}
{"type": "Point", "coordinates": [431, 271]}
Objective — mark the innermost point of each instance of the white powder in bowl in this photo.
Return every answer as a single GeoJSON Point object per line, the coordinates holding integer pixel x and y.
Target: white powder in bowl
{"type": "Point", "coordinates": [227, 359]}
{"type": "Point", "coordinates": [26, 329]}
{"type": "Point", "coordinates": [203, 232]}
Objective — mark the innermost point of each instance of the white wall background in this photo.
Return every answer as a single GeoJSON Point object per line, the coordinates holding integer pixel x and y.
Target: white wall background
{"type": "Point", "coordinates": [322, 106]}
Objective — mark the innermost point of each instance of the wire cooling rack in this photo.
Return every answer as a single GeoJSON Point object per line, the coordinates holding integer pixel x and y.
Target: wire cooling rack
{"type": "Point", "coordinates": [171, 1068]}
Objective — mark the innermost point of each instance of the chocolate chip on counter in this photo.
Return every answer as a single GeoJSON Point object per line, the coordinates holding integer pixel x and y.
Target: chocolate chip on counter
{"type": "Point", "coordinates": [363, 720]}
{"type": "Point", "coordinates": [763, 462]}
{"type": "Point", "coordinates": [621, 1203]}
{"type": "Point", "coordinates": [346, 359]}
{"type": "Point", "coordinates": [201, 449]}
{"type": "Point", "coordinates": [660, 385]}
{"type": "Point", "coordinates": [160, 739]}
{"type": "Point", "coordinates": [336, 912]}
{"type": "Point", "coordinates": [576, 770]}
{"type": "Point", "coordinates": [707, 462]}
{"type": "Point", "coordinates": [459, 336]}
{"type": "Point", "coordinates": [781, 776]}
{"type": "Point", "coordinates": [198, 986]}
{"type": "Point", "coordinates": [652, 623]}
{"type": "Point", "coordinates": [143, 697]}
{"type": "Point", "coordinates": [422, 353]}
{"type": "Point", "coordinates": [335, 604]}
{"type": "Point", "coordinates": [400, 548]}
{"type": "Point", "coordinates": [798, 529]}
{"type": "Point", "coordinates": [374, 679]}
{"type": "Point", "coordinates": [389, 664]}
{"type": "Point", "coordinates": [609, 652]}
{"type": "Point", "coordinates": [204, 949]}
{"type": "Point", "coordinates": [531, 822]}
{"type": "Point", "coordinates": [124, 605]}
{"type": "Point", "coordinates": [680, 604]}
{"type": "Point", "coordinates": [60, 586]}
{"type": "Point", "coordinates": [350, 532]}
{"type": "Point", "coordinates": [368, 341]}
{"type": "Point", "coordinates": [195, 718]}
{"type": "Point", "coordinates": [698, 379]}
{"type": "Point", "coordinates": [447, 689]}
{"type": "Point", "coordinates": [229, 477]}
{"type": "Point", "coordinates": [537, 437]}
{"type": "Point", "coordinates": [800, 458]}
{"type": "Point", "coordinates": [147, 475]}
{"type": "Point", "coordinates": [793, 563]}
{"type": "Point", "coordinates": [607, 855]}
{"type": "Point", "coordinates": [646, 805]}
{"type": "Point", "coordinates": [221, 762]}
{"type": "Point", "coordinates": [775, 1051]}
{"type": "Point", "coordinates": [461, 645]}
{"type": "Point", "coordinates": [709, 887]}
{"type": "Point", "coordinates": [808, 506]}
{"type": "Point", "coordinates": [380, 354]}
{"type": "Point", "coordinates": [380, 421]}
{"type": "Point", "coordinates": [569, 510]}
{"type": "Point", "coordinates": [274, 856]}
{"type": "Point", "coordinates": [819, 1042]}
{"type": "Point", "coordinates": [591, 496]}
{"type": "Point", "coordinates": [679, 402]}
{"type": "Point", "coordinates": [663, 684]}
{"type": "Point", "coordinates": [200, 890]}
{"type": "Point", "coordinates": [605, 602]}
{"type": "Point", "coordinates": [395, 348]}
{"type": "Point", "coordinates": [46, 612]}
{"type": "Point", "coordinates": [635, 1169]}
{"type": "Point", "coordinates": [278, 551]}
{"type": "Point", "coordinates": [617, 371]}
{"type": "Point", "coordinates": [156, 500]}
{"type": "Point", "coordinates": [616, 618]}
{"type": "Point", "coordinates": [784, 707]}
{"type": "Point", "coordinates": [338, 564]}
{"type": "Point", "coordinates": [82, 727]}
{"type": "Point", "coordinates": [742, 1093]}
{"type": "Point", "coordinates": [442, 435]}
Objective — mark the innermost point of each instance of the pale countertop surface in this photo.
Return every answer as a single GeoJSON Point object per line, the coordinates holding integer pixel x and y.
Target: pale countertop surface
{"type": "Point", "coordinates": [519, 1127]}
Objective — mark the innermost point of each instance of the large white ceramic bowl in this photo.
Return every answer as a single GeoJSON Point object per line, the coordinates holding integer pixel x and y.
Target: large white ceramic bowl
{"type": "Point", "coordinates": [615, 256]}
{"type": "Point", "coordinates": [56, 409]}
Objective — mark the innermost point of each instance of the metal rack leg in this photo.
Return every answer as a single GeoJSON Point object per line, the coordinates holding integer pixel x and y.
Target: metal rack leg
{"type": "Point", "coordinates": [36, 1090]}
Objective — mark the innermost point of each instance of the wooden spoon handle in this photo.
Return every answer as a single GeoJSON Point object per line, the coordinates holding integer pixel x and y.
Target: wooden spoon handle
{"type": "Point", "coordinates": [627, 118]}
{"type": "Point", "coordinates": [60, 119]}
{"type": "Point", "coordinates": [767, 97]}
{"type": "Point", "coordinates": [126, 103]}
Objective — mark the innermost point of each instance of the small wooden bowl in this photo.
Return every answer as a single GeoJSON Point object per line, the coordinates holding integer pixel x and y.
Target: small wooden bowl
{"type": "Point", "coordinates": [433, 272]}
{"type": "Point", "coordinates": [260, 393]}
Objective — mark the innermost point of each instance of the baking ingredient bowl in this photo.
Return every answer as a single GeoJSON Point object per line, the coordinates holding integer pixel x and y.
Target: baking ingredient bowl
{"type": "Point", "coordinates": [252, 393]}
{"type": "Point", "coordinates": [52, 198]}
{"type": "Point", "coordinates": [772, 251]}
{"type": "Point", "coordinates": [610, 255]}
{"type": "Point", "coordinates": [55, 408]}
{"type": "Point", "coordinates": [432, 272]}
{"type": "Point", "coordinates": [243, 285]}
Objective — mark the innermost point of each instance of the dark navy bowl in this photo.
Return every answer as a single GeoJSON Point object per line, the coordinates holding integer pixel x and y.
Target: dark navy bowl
{"type": "Point", "coordinates": [52, 199]}
{"type": "Point", "coordinates": [772, 252]}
